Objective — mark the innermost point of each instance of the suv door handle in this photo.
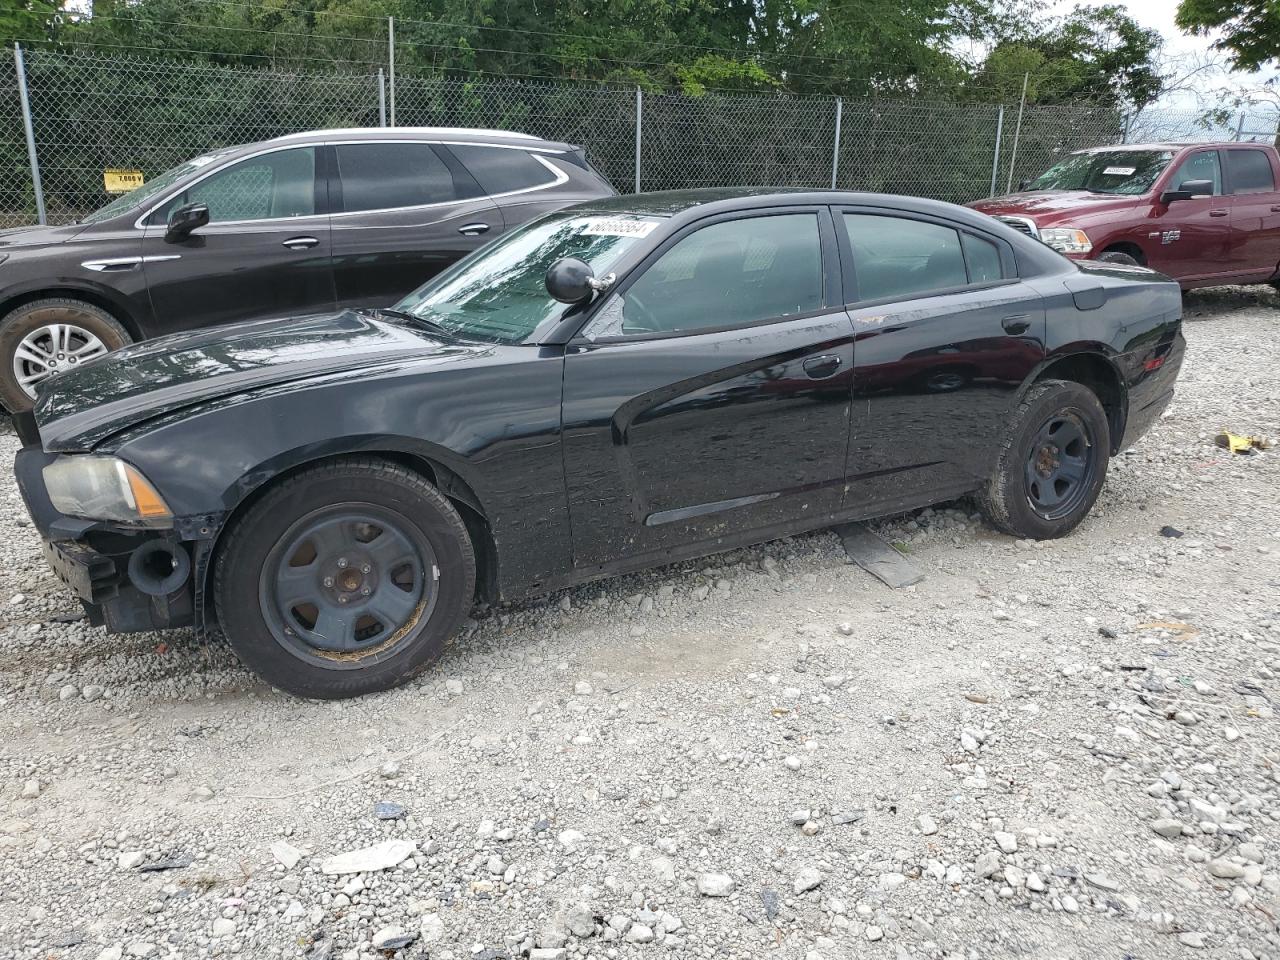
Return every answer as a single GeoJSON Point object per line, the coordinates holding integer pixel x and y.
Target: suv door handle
{"type": "Point", "coordinates": [300, 243]}
{"type": "Point", "coordinates": [1018, 323]}
{"type": "Point", "coordinates": [1218, 213]}
{"type": "Point", "coordinates": [819, 368]}
{"type": "Point", "coordinates": [473, 229]}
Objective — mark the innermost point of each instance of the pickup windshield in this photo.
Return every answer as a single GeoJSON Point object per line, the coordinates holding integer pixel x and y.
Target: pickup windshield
{"type": "Point", "coordinates": [1127, 172]}
{"type": "Point", "coordinates": [499, 293]}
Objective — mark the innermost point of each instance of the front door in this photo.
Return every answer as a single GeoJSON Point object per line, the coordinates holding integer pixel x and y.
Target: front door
{"type": "Point", "coordinates": [708, 399]}
{"type": "Point", "coordinates": [265, 251]}
{"type": "Point", "coordinates": [403, 211]}
{"type": "Point", "coordinates": [1191, 239]}
{"type": "Point", "coordinates": [945, 334]}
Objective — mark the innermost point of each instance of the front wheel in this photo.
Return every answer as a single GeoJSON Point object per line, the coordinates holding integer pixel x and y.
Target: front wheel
{"type": "Point", "coordinates": [47, 337]}
{"type": "Point", "coordinates": [1115, 256]}
{"type": "Point", "coordinates": [344, 579]}
{"type": "Point", "coordinates": [1052, 465]}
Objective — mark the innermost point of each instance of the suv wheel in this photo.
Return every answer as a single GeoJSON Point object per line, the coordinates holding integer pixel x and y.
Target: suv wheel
{"type": "Point", "coordinates": [344, 579]}
{"type": "Point", "coordinates": [46, 337]}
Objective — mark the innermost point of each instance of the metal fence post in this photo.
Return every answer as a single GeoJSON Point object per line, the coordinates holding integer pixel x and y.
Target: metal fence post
{"type": "Point", "coordinates": [1128, 120]}
{"type": "Point", "coordinates": [382, 98]}
{"type": "Point", "coordinates": [995, 157]}
{"type": "Point", "coordinates": [835, 149]}
{"type": "Point", "coordinates": [1017, 133]}
{"type": "Point", "coordinates": [1239, 127]}
{"type": "Point", "coordinates": [391, 63]}
{"type": "Point", "coordinates": [639, 124]}
{"type": "Point", "coordinates": [20, 68]}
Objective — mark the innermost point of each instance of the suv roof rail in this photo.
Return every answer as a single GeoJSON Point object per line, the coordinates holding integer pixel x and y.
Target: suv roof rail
{"type": "Point", "coordinates": [429, 131]}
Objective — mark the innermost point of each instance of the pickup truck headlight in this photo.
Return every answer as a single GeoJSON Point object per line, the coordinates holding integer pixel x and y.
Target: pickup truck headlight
{"type": "Point", "coordinates": [104, 488]}
{"type": "Point", "coordinates": [1066, 239]}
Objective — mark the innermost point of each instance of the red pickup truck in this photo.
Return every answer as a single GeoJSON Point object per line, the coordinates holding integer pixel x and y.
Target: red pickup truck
{"type": "Point", "coordinates": [1203, 213]}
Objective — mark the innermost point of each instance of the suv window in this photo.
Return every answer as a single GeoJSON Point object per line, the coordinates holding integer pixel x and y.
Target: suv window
{"type": "Point", "coordinates": [1250, 172]}
{"type": "Point", "coordinates": [732, 273]}
{"type": "Point", "coordinates": [898, 257]}
{"type": "Point", "coordinates": [1202, 165]}
{"type": "Point", "coordinates": [384, 176]}
{"type": "Point", "coordinates": [271, 186]}
{"type": "Point", "coordinates": [502, 169]}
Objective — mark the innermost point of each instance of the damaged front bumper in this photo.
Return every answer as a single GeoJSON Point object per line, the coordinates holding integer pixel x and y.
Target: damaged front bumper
{"type": "Point", "coordinates": [128, 579]}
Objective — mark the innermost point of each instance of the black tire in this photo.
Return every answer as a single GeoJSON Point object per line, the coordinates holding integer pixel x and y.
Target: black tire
{"type": "Point", "coordinates": [1014, 499]}
{"type": "Point", "coordinates": [1115, 256]}
{"type": "Point", "coordinates": [24, 320]}
{"type": "Point", "coordinates": [249, 565]}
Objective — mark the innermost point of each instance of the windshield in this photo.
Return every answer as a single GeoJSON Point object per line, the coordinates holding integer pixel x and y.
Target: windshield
{"type": "Point", "coordinates": [499, 293]}
{"type": "Point", "coordinates": [152, 188]}
{"type": "Point", "coordinates": [1128, 172]}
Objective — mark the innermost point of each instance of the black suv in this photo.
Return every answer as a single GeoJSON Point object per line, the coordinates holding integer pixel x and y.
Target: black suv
{"type": "Point", "coordinates": [310, 221]}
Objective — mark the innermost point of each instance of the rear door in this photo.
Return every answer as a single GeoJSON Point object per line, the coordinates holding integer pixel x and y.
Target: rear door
{"type": "Point", "coordinates": [1191, 239]}
{"type": "Point", "coordinates": [1255, 212]}
{"type": "Point", "coordinates": [403, 210]}
{"type": "Point", "coordinates": [708, 399]}
{"type": "Point", "coordinates": [945, 334]}
{"type": "Point", "coordinates": [265, 251]}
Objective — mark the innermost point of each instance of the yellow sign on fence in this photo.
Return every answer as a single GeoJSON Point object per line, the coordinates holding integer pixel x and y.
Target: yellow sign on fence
{"type": "Point", "coordinates": [121, 181]}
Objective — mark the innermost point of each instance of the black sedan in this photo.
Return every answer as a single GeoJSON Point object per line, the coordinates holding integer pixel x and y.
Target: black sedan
{"type": "Point", "coordinates": [620, 384]}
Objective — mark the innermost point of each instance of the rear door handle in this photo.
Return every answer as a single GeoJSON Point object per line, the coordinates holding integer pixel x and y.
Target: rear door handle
{"type": "Point", "coordinates": [1275, 208]}
{"type": "Point", "coordinates": [1018, 323]}
{"type": "Point", "coordinates": [300, 243]}
{"type": "Point", "coordinates": [473, 229]}
{"type": "Point", "coordinates": [1218, 213]}
{"type": "Point", "coordinates": [819, 368]}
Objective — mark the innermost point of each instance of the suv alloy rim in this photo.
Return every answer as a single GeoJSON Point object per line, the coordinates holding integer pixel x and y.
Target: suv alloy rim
{"type": "Point", "coordinates": [52, 349]}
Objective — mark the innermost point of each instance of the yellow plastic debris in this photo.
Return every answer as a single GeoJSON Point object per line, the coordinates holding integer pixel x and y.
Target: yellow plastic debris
{"type": "Point", "coordinates": [1237, 443]}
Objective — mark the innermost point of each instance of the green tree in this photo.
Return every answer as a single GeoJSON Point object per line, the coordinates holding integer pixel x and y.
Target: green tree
{"type": "Point", "coordinates": [1250, 28]}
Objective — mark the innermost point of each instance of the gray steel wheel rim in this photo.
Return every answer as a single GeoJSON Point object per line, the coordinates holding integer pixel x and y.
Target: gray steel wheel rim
{"type": "Point", "coordinates": [51, 349]}
{"type": "Point", "coordinates": [1060, 465]}
{"type": "Point", "coordinates": [300, 599]}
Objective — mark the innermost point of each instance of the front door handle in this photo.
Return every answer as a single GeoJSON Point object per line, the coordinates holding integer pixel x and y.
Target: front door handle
{"type": "Point", "coordinates": [300, 243]}
{"type": "Point", "coordinates": [473, 229]}
{"type": "Point", "coordinates": [1218, 213]}
{"type": "Point", "coordinates": [1016, 324]}
{"type": "Point", "coordinates": [819, 368]}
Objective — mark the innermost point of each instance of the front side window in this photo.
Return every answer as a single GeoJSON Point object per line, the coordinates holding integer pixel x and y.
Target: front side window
{"type": "Point", "coordinates": [898, 257]}
{"type": "Point", "coordinates": [272, 186]}
{"type": "Point", "coordinates": [503, 169]}
{"type": "Point", "coordinates": [499, 294]}
{"type": "Point", "coordinates": [732, 273]}
{"type": "Point", "coordinates": [1125, 172]}
{"type": "Point", "coordinates": [383, 176]}
{"type": "Point", "coordinates": [1250, 172]}
{"type": "Point", "coordinates": [1203, 165]}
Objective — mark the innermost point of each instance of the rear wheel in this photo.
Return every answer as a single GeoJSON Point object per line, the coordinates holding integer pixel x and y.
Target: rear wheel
{"type": "Point", "coordinates": [45, 337]}
{"type": "Point", "coordinates": [344, 579]}
{"type": "Point", "coordinates": [1052, 465]}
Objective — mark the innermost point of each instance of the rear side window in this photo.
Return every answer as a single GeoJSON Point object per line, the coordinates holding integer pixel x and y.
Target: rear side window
{"type": "Point", "coordinates": [503, 170]}
{"type": "Point", "coordinates": [1250, 172]}
{"type": "Point", "coordinates": [383, 176]}
{"type": "Point", "coordinates": [897, 257]}
{"type": "Point", "coordinates": [983, 258]}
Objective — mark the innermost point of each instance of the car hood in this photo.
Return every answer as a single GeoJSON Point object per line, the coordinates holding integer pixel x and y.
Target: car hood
{"type": "Point", "coordinates": [36, 236]}
{"type": "Point", "coordinates": [1054, 206]}
{"type": "Point", "coordinates": [79, 409]}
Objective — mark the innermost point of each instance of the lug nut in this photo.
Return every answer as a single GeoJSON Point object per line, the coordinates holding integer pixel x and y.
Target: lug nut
{"type": "Point", "coordinates": [365, 591]}
{"type": "Point", "coordinates": [342, 599]}
{"type": "Point", "coordinates": [342, 563]}
{"type": "Point", "coordinates": [328, 581]}
{"type": "Point", "coordinates": [366, 568]}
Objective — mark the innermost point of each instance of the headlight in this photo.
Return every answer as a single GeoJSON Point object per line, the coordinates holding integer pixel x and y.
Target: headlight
{"type": "Point", "coordinates": [1066, 239]}
{"type": "Point", "coordinates": [103, 488]}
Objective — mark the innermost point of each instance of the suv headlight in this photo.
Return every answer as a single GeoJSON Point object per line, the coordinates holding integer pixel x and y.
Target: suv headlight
{"type": "Point", "coordinates": [1066, 239]}
{"type": "Point", "coordinates": [103, 488]}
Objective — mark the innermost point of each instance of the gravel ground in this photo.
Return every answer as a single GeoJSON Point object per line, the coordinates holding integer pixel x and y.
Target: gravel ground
{"type": "Point", "coordinates": [1046, 750]}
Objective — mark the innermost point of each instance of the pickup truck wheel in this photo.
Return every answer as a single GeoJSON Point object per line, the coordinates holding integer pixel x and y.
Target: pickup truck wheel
{"type": "Point", "coordinates": [49, 336]}
{"type": "Point", "coordinates": [1115, 256]}
{"type": "Point", "coordinates": [344, 579]}
{"type": "Point", "coordinates": [1052, 464]}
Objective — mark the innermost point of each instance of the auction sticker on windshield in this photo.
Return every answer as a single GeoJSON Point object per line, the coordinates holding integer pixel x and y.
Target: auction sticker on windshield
{"type": "Point", "coordinates": [1119, 171]}
{"type": "Point", "coordinates": [613, 227]}
{"type": "Point", "coordinates": [121, 181]}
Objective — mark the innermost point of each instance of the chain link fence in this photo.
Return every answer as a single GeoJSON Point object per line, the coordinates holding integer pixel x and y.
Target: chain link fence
{"type": "Point", "coordinates": [92, 112]}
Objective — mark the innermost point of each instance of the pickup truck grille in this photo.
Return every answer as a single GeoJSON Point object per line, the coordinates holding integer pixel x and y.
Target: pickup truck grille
{"type": "Point", "coordinates": [1021, 224]}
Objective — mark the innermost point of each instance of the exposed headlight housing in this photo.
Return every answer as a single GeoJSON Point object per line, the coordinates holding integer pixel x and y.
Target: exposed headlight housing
{"type": "Point", "coordinates": [1066, 239]}
{"type": "Point", "coordinates": [104, 488]}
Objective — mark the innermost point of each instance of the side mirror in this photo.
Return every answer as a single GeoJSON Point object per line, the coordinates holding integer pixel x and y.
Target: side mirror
{"type": "Point", "coordinates": [570, 280]}
{"type": "Point", "coordinates": [184, 220]}
{"type": "Point", "coordinates": [1188, 189]}
{"type": "Point", "coordinates": [1023, 184]}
